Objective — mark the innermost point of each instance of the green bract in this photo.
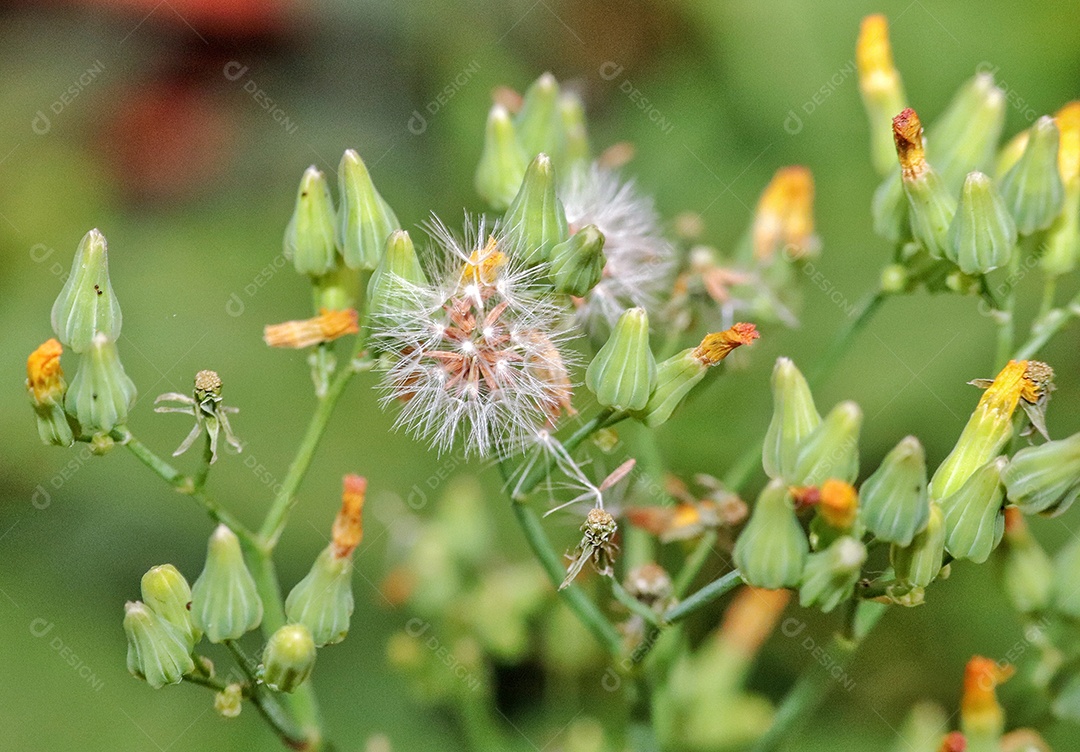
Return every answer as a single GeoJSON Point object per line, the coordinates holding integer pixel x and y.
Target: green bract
{"type": "Point", "coordinates": [829, 576]}
{"type": "Point", "coordinates": [772, 549]}
{"type": "Point", "coordinates": [983, 233]}
{"type": "Point", "coordinates": [916, 565]}
{"type": "Point", "coordinates": [794, 418]}
{"type": "Point", "coordinates": [535, 221]}
{"type": "Point", "coordinates": [288, 659]}
{"type": "Point", "coordinates": [166, 591]}
{"type": "Point", "coordinates": [1032, 188]}
{"type": "Point", "coordinates": [832, 449]}
{"type": "Point", "coordinates": [502, 161]}
{"type": "Point", "coordinates": [364, 219]}
{"type": "Point", "coordinates": [310, 235]}
{"type": "Point", "coordinates": [974, 520]}
{"type": "Point", "coordinates": [157, 651]}
{"type": "Point", "coordinates": [578, 263]}
{"type": "Point", "coordinates": [1045, 479]}
{"type": "Point", "coordinates": [87, 305]}
{"type": "Point", "coordinates": [323, 600]}
{"type": "Point", "coordinates": [224, 602]}
{"type": "Point", "coordinates": [893, 502]}
{"type": "Point", "coordinates": [101, 393]}
{"type": "Point", "coordinates": [623, 373]}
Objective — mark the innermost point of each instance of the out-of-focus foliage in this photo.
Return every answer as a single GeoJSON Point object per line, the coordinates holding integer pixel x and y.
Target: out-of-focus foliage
{"type": "Point", "coordinates": [179, 131]}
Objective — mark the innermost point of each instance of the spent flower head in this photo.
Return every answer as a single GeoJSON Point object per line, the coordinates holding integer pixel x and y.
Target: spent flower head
{"type": "Point", "coordinates": [477, 352]}
{"type": "Point", "coordinates": [210, 414]}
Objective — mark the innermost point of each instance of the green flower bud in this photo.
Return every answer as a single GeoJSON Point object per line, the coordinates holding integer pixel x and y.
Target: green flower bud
{"type": "Point", "coordinates": [772, 549]}
{"type": "Point", "coordinates": [166, 591]}
{"type": "Point", "coordinates": [931, 204]}
{"type": "Point", "coordinates": [309, 236]}
{"type": "Point", "coordinates": [894, 279]}
{"type": "Point", "coordinates": [323, 600]}
{"type": "Point", "coordinates": [918, 564]}
{"type": "Point", "coordinates": [675, 377]}
{"type": "Point", "coordinates": [364, 219]}
{"type": "Point", "coordinates": [966, 135]}
{"type": "Point", "coordinates": [894, 504]}
{"type": "Point", "coordinates": [224, 602]}
{"type": "Point", "coordinates": [576, 147]}
{"type": "Point", "coordinates": [578, 263]}
{"type": "Point", "coordinates": [337, 290]}
{"type": "Point", "coordinates": [502, 162]}
{"type": "Point", "coordinates": [794, 418]}
{"type": "Point", "coordinates": [87, 305]}
{"type": "Point", "coordinates": [680, 373]}
{"type": "Point", "coordinates": [832, 449]}
{"type": "Point", "coordinates": [157, 652]}
{"type": "Point", "coordinates": [623, 373]}
{"type": "Point", "coordinates": [986, 432]}
{"type": "Point", "coordinates": [1066, 575]}
{"type": "Point", "coordinates": [1027, 571]}
{"type": "Point", "coordinates": [229, 702]}
{"type": "Point", "coordinates": [974, 519]}
{"type": "Point", "coordinates": [1032, 188]}
{"type": "Point", "coordinates": [830, 575]}
{"type": "Point", "coordinates": [101, 393]}
{"type": "Point", "coordinates": [398, 268]}
{"type": "Point", "coordinates": [288, 659]}
{"type": "Point", "coordinates": [1062, 244]}
{"type": "Point", "coordinates": [889, 210]}
{"type": "Point", "coordinates": [535, 220]}
{"type": "Point", "coordinates": [983, 233]}
{"type": "Point", "coordinates": [538, 121]}
{"type": "Point", "coordinates": [1044, 479]}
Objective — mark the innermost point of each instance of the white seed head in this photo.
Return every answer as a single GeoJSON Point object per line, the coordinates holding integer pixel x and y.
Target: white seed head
{"type": "Point", "coordinates": [478, 352]}
{"type": "Point", "coordinates": [640, 261]}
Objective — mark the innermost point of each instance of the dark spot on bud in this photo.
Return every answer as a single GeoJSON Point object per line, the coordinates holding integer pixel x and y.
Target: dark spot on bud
{"type": "Point", "coordinates": [97, 289]}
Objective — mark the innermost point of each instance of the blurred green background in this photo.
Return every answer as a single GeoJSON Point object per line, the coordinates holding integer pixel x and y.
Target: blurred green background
{"type": "Point", "coordinates": [180, 130]}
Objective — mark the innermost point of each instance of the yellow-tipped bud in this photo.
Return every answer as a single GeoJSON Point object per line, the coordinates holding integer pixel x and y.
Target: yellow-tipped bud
{"type": "Point", "coordinates": [784, 219]}
{"type": "Point", "coordinates": [349, 524]}
{"type": "Point", "coordinates": [680, 373]}
{"type": "Point", "coordinates": [881, 88]}
{"type": "Point", "coordinates": [931, 206]}
{"type": "Point", "coordinates": [989, 426]}
{"type": "Point", "coordinates": [46, 388]}
{"type": "Point", "coordinates": [981, 717]}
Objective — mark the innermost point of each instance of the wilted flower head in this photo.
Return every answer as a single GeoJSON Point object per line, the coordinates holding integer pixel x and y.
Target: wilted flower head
{"type": "Point", "coordinates": [640, 261]}
{"type": "Point", "coordinates": [476, 351]}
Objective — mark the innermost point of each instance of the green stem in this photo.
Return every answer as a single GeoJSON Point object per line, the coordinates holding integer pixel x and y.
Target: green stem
{"type": "Point", "coordinates": [706, 595]}
{"type": "Point", "coordinates": [694, 562]}
{"type": "Point", "coordinates": [844, 338]}
{"type": "Point", "coordinates": [1006, 324]}
{"type": "Point", "coordinates": [1047, 326]}
{"type": "Point", "coordinates": [1049, 292]}
{"type": "Point", "coordinates": [632, 604]}
{"type": "Point", "coordinates": [302, 701]}
{"type": "Point", "coordinates": [814, 684]}
{"type": "Point", "coordinates": [199, 479]}
{"type": "Point", "coordinates": [585, 610]}
{"type": "Point", "coordinates": [285, 500]}
{"type": "Point", "coordinates": [543, 465]}
{"type": "Point", "coordinates": [180, 482]}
